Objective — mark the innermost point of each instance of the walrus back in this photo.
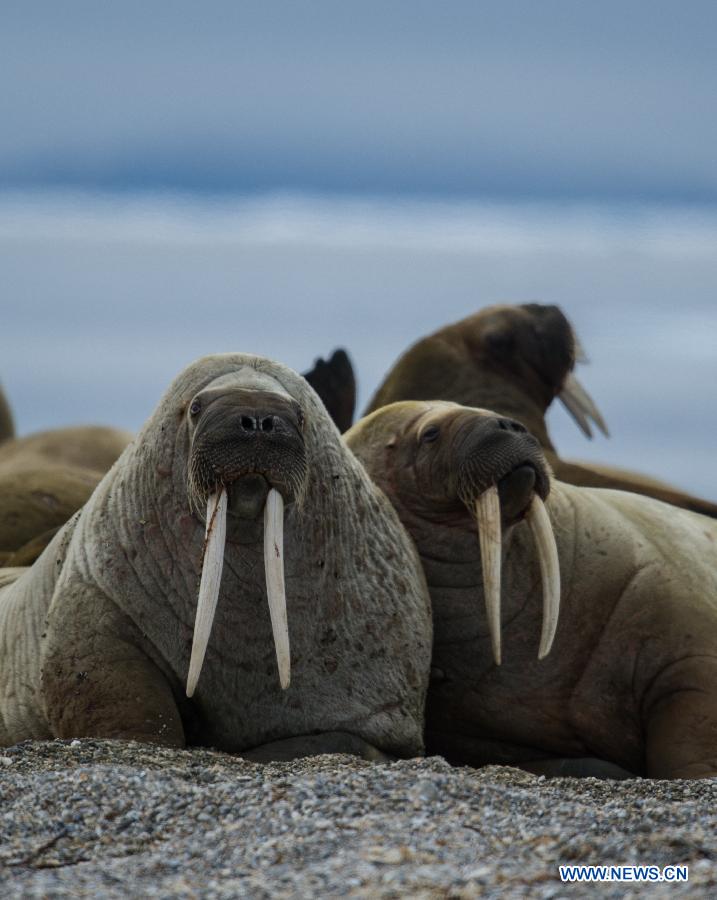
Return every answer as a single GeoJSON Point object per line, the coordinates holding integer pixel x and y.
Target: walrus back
{"type": "Point", "coordinates": [678, 545]}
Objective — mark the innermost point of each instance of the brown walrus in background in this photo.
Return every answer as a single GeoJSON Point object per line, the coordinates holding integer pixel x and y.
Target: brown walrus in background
{"type": "Point", "coordinates": [146, 618]}
{"type": "Point", "coordinates": [7, 424]}
{"type": "Point", "coordinates": [47, 476]}
{"type": "Point", "coordinates": [632, 675]}
{"type": "Point", "coordinates": [516, 360]}
{"type": "Point", "coordinates": [44, 479]}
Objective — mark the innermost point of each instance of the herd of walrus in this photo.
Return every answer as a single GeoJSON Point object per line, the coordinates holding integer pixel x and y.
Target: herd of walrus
{"type": "Point", "coordinates": [242, 575]}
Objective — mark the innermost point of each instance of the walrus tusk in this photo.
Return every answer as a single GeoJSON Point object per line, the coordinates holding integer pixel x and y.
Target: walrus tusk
{"type": "Point", "coordinates": [489, 537]}
{"type": "Point", "coordinates": [581, 406]}
{"type": "Point", "coordinates": [544, 538]}
{"type": "Point", "coordinates": [274, 569]}
{"type": "Point", "coordinates": [212, 564]}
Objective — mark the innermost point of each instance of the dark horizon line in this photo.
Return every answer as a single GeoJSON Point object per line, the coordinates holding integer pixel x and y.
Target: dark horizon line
{"type": "Point", "coordinates": [222, 187]}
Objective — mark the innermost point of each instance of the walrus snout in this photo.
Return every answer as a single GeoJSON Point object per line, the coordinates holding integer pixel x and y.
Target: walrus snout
{"type": "Point", "coordinates": [489, 449]}
{"type": "Point", "coordinates": [247, 441]}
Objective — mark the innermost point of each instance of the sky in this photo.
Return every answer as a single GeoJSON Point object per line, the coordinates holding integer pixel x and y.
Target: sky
{"type": "Point", "coordinates": [283, 178]}
{"type": "Point", "coordinates": [550, 99]}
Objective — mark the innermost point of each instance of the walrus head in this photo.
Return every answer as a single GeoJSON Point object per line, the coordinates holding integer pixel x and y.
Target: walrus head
{"type": "Point", "coordinates": [512, 359]}
{"type": "Point", "coordinates": [457, 467]}
{"type": "Point", "coordinates": [247, 458]}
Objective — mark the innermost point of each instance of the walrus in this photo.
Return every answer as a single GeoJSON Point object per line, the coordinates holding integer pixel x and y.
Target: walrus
{"type": "Point", "coordinates": [147, 618]}
{"type": "Point", "coordinates": [632, 675]}
{"type": "Point", "coordinates": [7, 423]}
{"type": "Point", "coordinates": [47, 476]}
{"type": "Point", "coordinates": [516, 360]}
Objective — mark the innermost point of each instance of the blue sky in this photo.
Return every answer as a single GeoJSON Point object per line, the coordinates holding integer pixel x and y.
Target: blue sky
{"type": "Point", "coordinates": [557, 98]}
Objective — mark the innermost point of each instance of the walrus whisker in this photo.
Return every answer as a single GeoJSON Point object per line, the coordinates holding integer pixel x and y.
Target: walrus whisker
{"type": "Point", "coordinates": [212, 564]}
{"type": "Point", "coordinates": [275, 590]}
{"type": "Point", "coordinates": [581, 406]}
{"type": "Point", "coordinates": [544, 538]}
{"type": "Point", "coordinates": [487, 508]}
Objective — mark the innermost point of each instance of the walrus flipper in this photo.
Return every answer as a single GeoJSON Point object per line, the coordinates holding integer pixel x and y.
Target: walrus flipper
{"type": "Point", "coordinates": [578, 767]}
{"type": "Point", "coordinates": [98, 679]}
{"type": "Point", "coordinates": [681, 725]}
{"type": "Point", "coordinates": [314, 745]}
{"type": "Point", "coordinates": [335, 383]}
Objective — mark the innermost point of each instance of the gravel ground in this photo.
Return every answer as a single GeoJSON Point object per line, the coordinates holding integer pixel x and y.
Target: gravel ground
{"type": "Point", "coordinates": [107, 819]}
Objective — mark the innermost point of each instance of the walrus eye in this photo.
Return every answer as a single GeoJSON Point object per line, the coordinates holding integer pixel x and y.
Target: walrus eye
{"type": "Point", "coordinates": [195, 408]}
{"type": "Point", "coordinates": [430, 434]}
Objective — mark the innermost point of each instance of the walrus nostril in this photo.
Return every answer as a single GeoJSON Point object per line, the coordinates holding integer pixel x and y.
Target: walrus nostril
{"type": "Point", "coordinates": [267, 424]}
{"type": "Point", "coordinates": [248, 423]}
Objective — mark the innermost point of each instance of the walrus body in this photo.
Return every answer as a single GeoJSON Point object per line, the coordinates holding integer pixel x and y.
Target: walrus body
{"type": "Point", "coordinates": [7, 423]}
{"type": "Point", "coordinates": [96, 636]}
{"type": "Point", "coordinates": [90, 447]}
{"type": "Point", "coordinates": [45, 478]}
{"type": "Point", "coordinates": [632, 675]}
{"type": "Point", "coordinates": [516, 360]}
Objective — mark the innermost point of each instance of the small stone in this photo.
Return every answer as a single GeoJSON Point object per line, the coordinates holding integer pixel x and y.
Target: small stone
{"type": "Point", "coordinates": [425, 790]}
{"type": "Point", "coordinates": [389, 856]}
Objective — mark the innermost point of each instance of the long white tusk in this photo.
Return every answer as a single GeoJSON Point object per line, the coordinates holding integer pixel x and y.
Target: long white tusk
{"type": "Point", "coordinates": [581, 406]}
{"type": "Point", "coordinates": [489, 537]}
{"type": "Point", "coordinates": [276, 593]}
{"type": "Point", "coordinates": [579, 351]}
{"type": "Point", "coordinates": [212, 564]}
{"type": "Point", "coordinates": [544, 538]}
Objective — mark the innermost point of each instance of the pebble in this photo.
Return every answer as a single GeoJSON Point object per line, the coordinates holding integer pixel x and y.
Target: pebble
{"type": "Point", "coordinates": [125, 820]}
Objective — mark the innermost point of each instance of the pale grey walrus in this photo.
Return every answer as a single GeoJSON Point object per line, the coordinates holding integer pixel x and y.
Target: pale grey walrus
{"type": "Point", "coordinates": [110, 630]}
{"type": "Point", "coordinates": [516, 360]}
{"type": "Point", "coordinates": [632, 675]}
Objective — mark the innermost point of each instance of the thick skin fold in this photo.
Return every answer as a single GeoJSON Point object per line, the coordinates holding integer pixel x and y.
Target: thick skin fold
{"type": "Point", "coordinates": [489, 537]}
{"type": "Point", "coordinates": [212, 565]}
{"type": "Point", "coordinates": [275, 589]}
{"type": "Point", "coordinates": [546, 547]}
